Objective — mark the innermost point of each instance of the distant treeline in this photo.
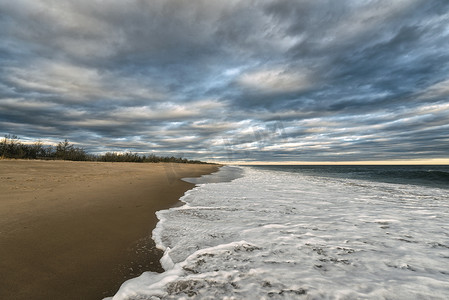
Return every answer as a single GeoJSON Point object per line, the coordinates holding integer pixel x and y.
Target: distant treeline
{"type": "Point", "coordinates": [11, 147]}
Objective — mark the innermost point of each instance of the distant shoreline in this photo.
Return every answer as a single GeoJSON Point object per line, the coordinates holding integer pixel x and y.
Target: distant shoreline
{"type": "Point", "coordinates": [77, 230]}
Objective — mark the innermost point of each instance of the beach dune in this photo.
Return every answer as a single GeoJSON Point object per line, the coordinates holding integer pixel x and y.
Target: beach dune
{"type": "Point", "coordinates": [77, 230]}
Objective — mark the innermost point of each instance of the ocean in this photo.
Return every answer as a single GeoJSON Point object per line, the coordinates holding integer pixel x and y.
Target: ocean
{"type": "Point", "coordinates": [305, 232]}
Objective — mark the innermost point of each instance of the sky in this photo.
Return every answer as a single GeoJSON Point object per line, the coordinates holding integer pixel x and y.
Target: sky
{"type": "Point", "coordinates": [230, 81]}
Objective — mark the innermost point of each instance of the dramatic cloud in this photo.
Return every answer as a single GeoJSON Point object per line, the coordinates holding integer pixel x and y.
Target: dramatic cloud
{"type": "Point", "coordinates": [270, 80]}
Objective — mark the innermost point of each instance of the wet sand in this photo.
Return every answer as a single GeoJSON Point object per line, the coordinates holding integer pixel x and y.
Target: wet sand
{"type": "Point", "coordinates": [77, 230]}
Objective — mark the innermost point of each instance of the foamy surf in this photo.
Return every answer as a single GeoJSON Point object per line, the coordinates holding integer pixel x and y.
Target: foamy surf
{"type": "Point", "coordinates": [275, 234]}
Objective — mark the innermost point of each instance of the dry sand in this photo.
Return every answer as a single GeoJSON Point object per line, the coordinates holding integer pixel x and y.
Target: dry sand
{"type": "Point", "coordinates": [77, 230]}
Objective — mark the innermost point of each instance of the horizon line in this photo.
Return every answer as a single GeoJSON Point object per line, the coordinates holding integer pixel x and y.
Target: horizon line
{"type": "Point", "coordinates": [431, 161]}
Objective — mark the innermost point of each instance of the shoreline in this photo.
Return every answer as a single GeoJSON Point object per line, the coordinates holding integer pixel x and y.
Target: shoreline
{"type": "Point", "coordinates": [78, 230]}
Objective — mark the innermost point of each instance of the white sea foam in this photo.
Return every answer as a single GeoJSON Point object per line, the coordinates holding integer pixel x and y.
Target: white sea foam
{"type": "Point", "coordinates": [281, 235]}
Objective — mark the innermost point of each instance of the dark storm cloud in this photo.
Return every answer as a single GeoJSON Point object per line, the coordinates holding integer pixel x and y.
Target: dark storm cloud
{"type": "Point", "coordinates": [242, 80]}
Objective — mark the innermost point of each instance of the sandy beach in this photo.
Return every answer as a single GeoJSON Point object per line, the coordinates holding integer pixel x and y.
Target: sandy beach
{"type": "Point", "coordinates": [77, 230]}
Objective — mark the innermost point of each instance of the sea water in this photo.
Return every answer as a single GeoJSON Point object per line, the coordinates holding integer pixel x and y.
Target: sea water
{"type": "Point", "coordinates": [289, 232]}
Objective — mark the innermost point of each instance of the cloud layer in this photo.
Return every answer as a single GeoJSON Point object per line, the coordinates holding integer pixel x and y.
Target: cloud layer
{"type": "Point", "coordinates": [271, 80]}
